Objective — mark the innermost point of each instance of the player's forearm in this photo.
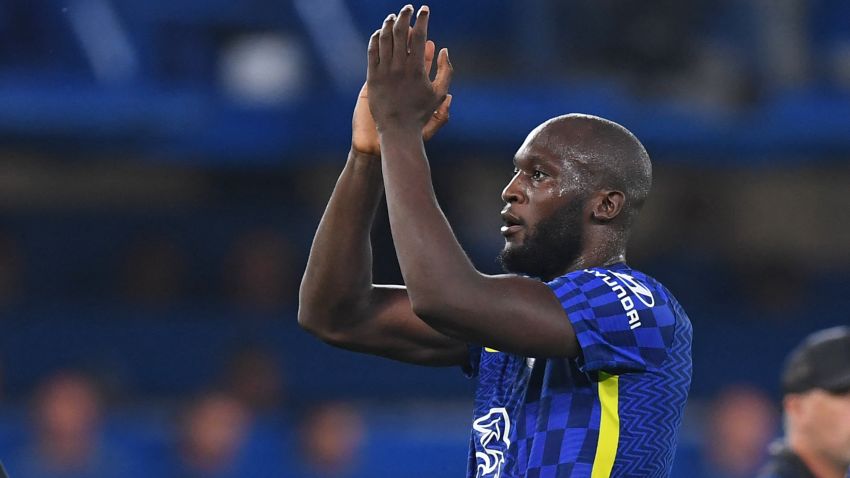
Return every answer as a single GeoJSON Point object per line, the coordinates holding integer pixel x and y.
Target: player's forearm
{"type": "Point", "coordinates": [338, 276]}
{"type": "Point", "coordinates": [432, 262]}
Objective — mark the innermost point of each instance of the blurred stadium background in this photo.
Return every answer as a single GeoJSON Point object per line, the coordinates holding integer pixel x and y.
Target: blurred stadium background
{"type": "Point", "coordinates": [163, 165]}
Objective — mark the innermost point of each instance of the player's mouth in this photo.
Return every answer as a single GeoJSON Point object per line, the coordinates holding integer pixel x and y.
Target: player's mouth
{"type": "Point", "coordinates": [512, 224]}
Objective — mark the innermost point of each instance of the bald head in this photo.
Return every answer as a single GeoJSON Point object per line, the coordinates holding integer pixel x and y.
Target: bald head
{"type": "Point", "coordinates": [606, 156]}
{"type": "Point", "coordinates": [578, 184]}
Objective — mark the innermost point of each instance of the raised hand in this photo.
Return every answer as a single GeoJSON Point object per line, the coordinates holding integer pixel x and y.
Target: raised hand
{"type": "Point", "coordinates": [401, 93]}
{"type": "Point", "coordinates": [364, 135]}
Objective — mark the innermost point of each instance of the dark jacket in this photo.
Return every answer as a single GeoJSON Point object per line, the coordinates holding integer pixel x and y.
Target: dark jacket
{"type": "Point", "coordinates": [783, 463]}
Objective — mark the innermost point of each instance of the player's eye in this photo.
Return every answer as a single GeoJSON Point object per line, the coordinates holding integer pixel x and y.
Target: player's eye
{"type": "Point", "coordinates": [538, 175]}
{"type": "Point", "coordinates": [515, 170]}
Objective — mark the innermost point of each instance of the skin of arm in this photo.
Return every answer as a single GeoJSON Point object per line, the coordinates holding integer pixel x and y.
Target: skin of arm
{"type": "Point", "coordinates": [337, 300]}
{"type": "Point", "coordinates": [507, 312]}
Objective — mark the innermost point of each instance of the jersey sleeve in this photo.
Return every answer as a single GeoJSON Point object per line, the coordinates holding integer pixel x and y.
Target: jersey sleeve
{"type": "Point", "coordinates": [622, 323]}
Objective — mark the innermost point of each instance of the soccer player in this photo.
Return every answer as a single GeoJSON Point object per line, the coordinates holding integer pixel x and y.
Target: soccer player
{"type": "Point", "coordinates": [583, 363]}
{"type": "Point", "coordinates": [816, 384]}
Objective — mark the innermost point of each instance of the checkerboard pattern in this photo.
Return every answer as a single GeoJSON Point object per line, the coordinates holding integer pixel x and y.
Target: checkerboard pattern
{"type": "Point", "coordinates": [553, 407]}
{"type": "Point", "coordinates": [602, 326]}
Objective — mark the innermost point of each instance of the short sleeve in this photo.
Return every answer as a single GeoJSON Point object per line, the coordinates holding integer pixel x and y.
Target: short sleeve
{"type": "Point", "coordinates": [623, 322]}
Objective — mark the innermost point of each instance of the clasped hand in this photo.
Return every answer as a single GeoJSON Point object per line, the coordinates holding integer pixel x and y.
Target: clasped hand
{"type": "Point", "coordinates": [401, 93]}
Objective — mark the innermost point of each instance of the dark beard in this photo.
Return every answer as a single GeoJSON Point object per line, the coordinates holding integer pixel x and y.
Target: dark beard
{"type": "Point", "coordinates": [550, 248]}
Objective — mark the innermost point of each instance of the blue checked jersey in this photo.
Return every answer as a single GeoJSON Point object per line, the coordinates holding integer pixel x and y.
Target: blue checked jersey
{"type": "Point", "coordinates": [613, 411]}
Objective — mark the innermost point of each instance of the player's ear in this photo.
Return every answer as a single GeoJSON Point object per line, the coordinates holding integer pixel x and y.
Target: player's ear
{"type": "Point", "coordinates": [792, 404]}
{"type": "Point", "coordinates": [607, 205]}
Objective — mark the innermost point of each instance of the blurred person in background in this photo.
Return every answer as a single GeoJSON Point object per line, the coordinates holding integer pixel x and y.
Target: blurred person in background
{"type": "Point", "coordinates": [816, 387]}
{"type": "Point", "coordinates": [154, 271]}
{"type": "Point", "coordinates": [11, 265]}
{"type": "Point", "coordinates": [68, 441]}
{"type": "Point", "coordinates": [570, 344]}
{"type": "Point", "coordinates": [650, 41]}
{"type": "Point", "coordinates": [741, 421]}
{"type": "Point", "coordinates": [260, 271]}
{"type": "Point", "coordinates": [331, 438]}
{"type": "Point", "coordinates": [771, 287]}
{"type": "Point", "coordinates": [253, 376]}
{"type": "Point", "coordinates": [213, 438]}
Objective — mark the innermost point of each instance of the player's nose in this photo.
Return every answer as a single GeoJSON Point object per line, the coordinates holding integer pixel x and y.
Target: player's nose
{"type": "Point", "coordinates": [513, 192]}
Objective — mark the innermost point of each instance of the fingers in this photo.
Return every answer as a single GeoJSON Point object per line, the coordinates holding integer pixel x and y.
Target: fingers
{"type": "Point", "coordinates": [438, 119]}
{"type": "Point", "coordinates": [444, 106]}
{"type": "Point", "coordinates": [444, 73]}
{"type": "Point", "coordinates": [396, 40]}
{"type": "Point", "coordinates": [441, 116]}
{"type": "Point", "coordinates": [420, 32]}
{"type": "Point", "coordinates": [372, 51]}
{"type": "Point", "coordinates": [385, 41]}
{"type": "Point", "coordinates": [428, 61]}
{"type": "Point", "coordinates": [400, 33]}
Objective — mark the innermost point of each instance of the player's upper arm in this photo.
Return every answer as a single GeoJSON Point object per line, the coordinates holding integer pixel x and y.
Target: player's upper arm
{"type": "Point", "coordinates": [506, 312]}
{"type": "Point", "coordinates": [386, 325]}
{"type": "Point", "coordinates": [612, 320]}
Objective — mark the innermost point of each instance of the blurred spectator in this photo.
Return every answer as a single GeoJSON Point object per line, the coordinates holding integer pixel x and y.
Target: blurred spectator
{"type": "Point", "coordinates": [332, 437]}
{"type": "Point", "coordinates": [260, 271]}
{"type": "Point", "coordinates": [740, 423]}
{"type": "Point", "coordinates": [214, 434]}
{"type": "Point", "coordinates": [154, 271]}
{"type": "Point", "coordinates": [783, 43]}
{"type": "Point", "coordinates": [816, 385]}
{"type": "Point", "coordinates": [68, 441]}
{"type": "Point", "coordinates": [646, 42]}
{"type": "Point", "coordinates": [253, 376]}
{"type": "Point", "coordinates": [774, 288]}
{"type": "Point", "coordinates": [11, 265]}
